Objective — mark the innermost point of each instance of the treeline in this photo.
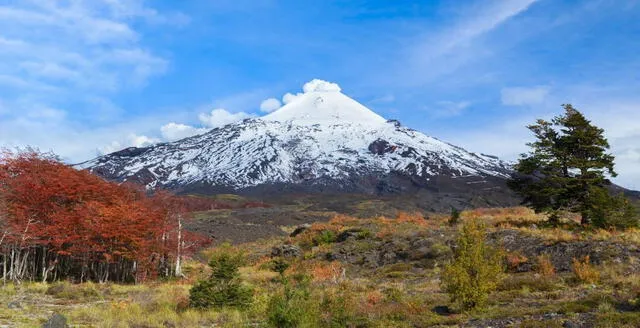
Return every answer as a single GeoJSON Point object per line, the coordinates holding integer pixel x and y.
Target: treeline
{"type": "Point", "coordinates": [57, 222]}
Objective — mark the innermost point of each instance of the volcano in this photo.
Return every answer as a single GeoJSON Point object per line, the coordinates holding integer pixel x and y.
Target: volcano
{"type": "Point", "coordinates": [322, 141]}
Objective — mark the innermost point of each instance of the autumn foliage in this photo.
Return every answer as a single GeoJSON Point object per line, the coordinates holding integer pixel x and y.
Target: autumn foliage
{"type": "Point", "coordinates": [57, 222]}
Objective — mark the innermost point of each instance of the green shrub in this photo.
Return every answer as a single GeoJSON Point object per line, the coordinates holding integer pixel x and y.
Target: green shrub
{"type": "Point", "coordinates": [455, 216]}
{"type": "Point", "coordinates": [337, 310]}
{"type": "Point", "coordinates": [325, 237]}
{"type": "Point", "coordinates": [614, 212]}
{"type": "Point", "coordinates": [393, 294]}
{"type": "Point", "coordinates": [476, 269]}
{"type": "Point", "coordinates": [292, 307]}
{"type": "Point", "coordinates": [279, 265]}
{"type": "Point", "coordinates": [363, 234]}
{"type": "Point", "coordinates": [224, 287]}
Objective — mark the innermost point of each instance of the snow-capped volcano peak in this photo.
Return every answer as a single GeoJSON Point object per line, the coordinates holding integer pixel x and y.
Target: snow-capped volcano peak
{"type": "Point", "coordinates": [323, 103]}
{"type": "Point", "coordinates": [320, 141]}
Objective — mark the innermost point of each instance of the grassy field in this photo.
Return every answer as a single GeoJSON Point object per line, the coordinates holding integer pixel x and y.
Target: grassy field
{"type": "Point", "coordinates": [377, 272]}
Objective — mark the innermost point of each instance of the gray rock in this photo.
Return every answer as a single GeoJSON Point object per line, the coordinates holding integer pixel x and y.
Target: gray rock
{"type": "Point", "coordinates": [287, 251]}
{"type": "Point", "coordinates": [570, 324]}
{"type": "Point", "coordinates": [56, 321]}
{"type": "Point", "coordinates": [349, 233]}
{"type": "Point", "coordinates": [300, 229]}
{"type": "Point", "coordinates": [14, 305]}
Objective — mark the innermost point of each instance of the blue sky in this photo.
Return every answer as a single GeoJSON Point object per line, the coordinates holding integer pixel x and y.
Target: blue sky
{"type": "Point", "coordinates": [85, 77]}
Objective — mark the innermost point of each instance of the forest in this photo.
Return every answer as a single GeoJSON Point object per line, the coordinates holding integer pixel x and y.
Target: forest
{"type": "Point", "coordinates": [59, 223]}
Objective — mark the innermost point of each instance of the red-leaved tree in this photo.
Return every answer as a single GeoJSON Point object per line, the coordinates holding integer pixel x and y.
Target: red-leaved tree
{"type": "Point", "coordinates": [57, 222]}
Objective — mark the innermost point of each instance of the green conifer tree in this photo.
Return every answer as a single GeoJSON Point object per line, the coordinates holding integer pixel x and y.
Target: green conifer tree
{"type": "Point", "coordinates": [567, 168]}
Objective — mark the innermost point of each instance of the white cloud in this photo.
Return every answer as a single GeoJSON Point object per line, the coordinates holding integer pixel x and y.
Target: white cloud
{"type": "Point", "coordinates": [290, 97]}
{"type": "Point", "coordinates": [524, 96]}
{"type": "Point", "coordinates": [438, 52]}
{"type": "Point", "coordinates": [317, 85]}
{"type": "Point", "coordinates": [142, 141]}
{"type": "Point", "coordinates": [55, 71]}
{"type": "Point", "coordinates": [384, 99]}
{"type": "Point", "coordinates": [93, 45]}
{"type": "Point", "coordinates": [132, 140]}
{"type": "Point", "coordinates": [169, 131]}
{"type": "Point", "coordinates": [45, 113]}
{"type": "Point", "coordinates": [220, 117]}
{"type": "Point", "coordinates": [176, 131]}
{"type": "Point", "coordinates": [270, 105]}
{"type": "Point", "coordinates": [482, 21]}
{"type": "Point", "coordinates": [215, 118]}
{"type": "Point", "coordinates": [450, 108]}
{"type": "Point", "coordinates": [62, 61]}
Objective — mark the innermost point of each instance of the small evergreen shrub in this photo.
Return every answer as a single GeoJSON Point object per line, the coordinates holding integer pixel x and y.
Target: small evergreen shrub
{"type": "Point", "coordinates": [224, 287]}
{"type": "Point", "coordinates": [325, 237]}
{"type": "Point", "coordinates": [476, 269]}
{"type": "Point", "coordinates": [279, 265]}
{"type": "Point", "coordinates": [454, 218]}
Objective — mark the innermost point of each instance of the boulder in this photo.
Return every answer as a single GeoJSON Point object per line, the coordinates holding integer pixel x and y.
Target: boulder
{"type": "Point", "coordinates": [287, 251]}
{"type": "Point", "coordinates": [56, 321]}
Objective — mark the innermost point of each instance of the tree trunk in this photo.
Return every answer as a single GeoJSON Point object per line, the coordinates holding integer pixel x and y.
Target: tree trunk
{"type": "Point", "coordinates": [4, 268]}
{"type": "Point", "coordinates": [178, 270]}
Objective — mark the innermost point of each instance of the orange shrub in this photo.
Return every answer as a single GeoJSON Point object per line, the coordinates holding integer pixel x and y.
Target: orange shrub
{"type": "Point", "coordinates": [332, 271]}
{"type": "Point", "coordinates": [412, 218]}
{"type": "Point", "coordinates": [383, 221]}
{"type": "Point", "coordinates": [514, 260]}
{"type": "Point", "coordinates": [385, 232]}
{"type": "Point", "coordinates": [584, 271]}
{"type": "Point", "coordinates": [319, 226]}
{"type": "Point", "coordinates": [544, 266]}
{"type": "Point", "coordinates": [504, 217]}
{"type": "Point", "coordinates": [374, 298]}
{"type": "Point", "coordinates": [316, 233]}
{"type": "Point", "coordinates": [344, 220]}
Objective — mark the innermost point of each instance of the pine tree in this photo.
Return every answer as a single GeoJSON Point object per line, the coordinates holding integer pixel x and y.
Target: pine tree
{"type": "Point", "coordinates": [225, 286]}
{"type": "Point", "coordinates": [567, 169]}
